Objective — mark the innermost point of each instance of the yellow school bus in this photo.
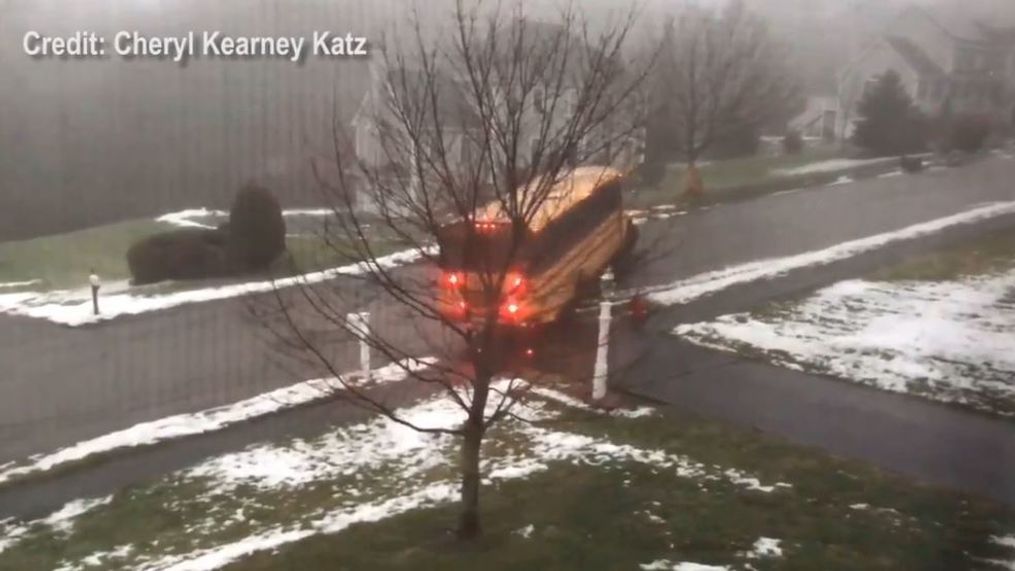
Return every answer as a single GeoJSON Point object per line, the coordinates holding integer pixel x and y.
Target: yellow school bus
{"type": "Point", "coordinates": [529, 274]}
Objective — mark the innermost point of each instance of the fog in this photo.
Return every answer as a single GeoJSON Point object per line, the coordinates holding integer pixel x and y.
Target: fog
{"type": "Point", "coordinates": [89, 141]}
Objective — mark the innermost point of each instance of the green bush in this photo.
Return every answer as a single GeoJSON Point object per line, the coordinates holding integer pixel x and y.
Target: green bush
{"type": "Point", "coordinates": [793, 143]}
{"type": "Point", "coordinates": [969, 133]}
{"type": "Point", "coordinates": [256, 229]}
{"type": "Point", "coordinates": [251, 240]}
{"type": "Point", "coordinates": [179, 255]}
{"type": "Point", "coordinates": [889, 123]}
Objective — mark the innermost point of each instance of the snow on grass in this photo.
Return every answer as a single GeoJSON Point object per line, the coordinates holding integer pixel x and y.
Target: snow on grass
{"type": "Point", "coordinates": [951, 341]}
{"type": "Point", "coordinates": [526, 532]}
{"type": "Point", "coordinates": [74, 307]}
{"type": "Point", "coordinates": [830, 165]}
{"type": "Point", "coordinates": [271, 495]}
{"type": "Point", "coordinates": [61, 521]}
{"type": "Point", "coordinates": [1007, 541]}
{"type": "Point", "coordinates": [186, 218]}
{"type": "Point", "coordinates": [667, 565]}
{"type": "Point", "coordinates": [702, 285]}
{"type": "Point", "coordinates": [218, 557]}
{"type": "Point", "coordinates": [192, 217]}
{"type": "Point", "coordinates": [372, 445]}
{"type": "Point", "coordinates": [13, 285]}
{"type": "Point", "coordinates": [765, 547]}
{"type": "Point", "coordinates": [570, 401]}
{"type": "Point", "coordinates": [178, 426]}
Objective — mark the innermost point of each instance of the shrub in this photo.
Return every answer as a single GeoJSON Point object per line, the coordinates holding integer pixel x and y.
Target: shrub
{"type": "Point", "coordinates": [256, 229]}
{"type": "Point", "coordinates": [741, 141]}
{"type": "Point", "coordinates": [911, 164]}
{"type": "Point", "coordinates": [651, 173]}
{"type": "Point", "coordinates": [889, 123]}
{"type": "Point", "coordinates": [969, 133]}
{"type": "Point", "coordinates": [793, 143]}
{"type": "Point", "coordinates": [179, 255]}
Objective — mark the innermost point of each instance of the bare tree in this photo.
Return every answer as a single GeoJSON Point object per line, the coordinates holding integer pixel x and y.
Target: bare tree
{"type": "Point", "coordinates": [473, 129]}
{"type": "Point", "coordinates": [721, 72]}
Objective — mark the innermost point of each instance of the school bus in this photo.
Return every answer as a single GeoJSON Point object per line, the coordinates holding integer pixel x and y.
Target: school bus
{"type": "Point", "coordinates": [532, 274]}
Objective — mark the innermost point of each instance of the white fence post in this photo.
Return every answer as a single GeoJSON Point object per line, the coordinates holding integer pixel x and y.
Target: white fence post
{"type": "Point", "coordinates": [360, 325]}
{"type": "Point", "coordinates": [602, 369]}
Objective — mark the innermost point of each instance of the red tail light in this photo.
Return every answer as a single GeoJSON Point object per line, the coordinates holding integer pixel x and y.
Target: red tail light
{"type": "Point", "coordinates": [513, 311]}
{"type": "Point", "coordinates": [453, 280]}
{"type": "Point", "coordinates": [514, 283]}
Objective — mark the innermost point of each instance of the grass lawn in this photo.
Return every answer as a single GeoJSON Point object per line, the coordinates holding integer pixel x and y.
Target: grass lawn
{"type": "Point", "coordinates": [654, 489]}
{"type": "Point", "coordinates": [992, 252]}
{"type": "Point", "coordinates": [64, 261]}
{"type": "Point", "coordinates": [724, 177]}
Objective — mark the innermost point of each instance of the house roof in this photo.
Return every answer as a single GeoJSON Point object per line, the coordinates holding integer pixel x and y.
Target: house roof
{"type": "Point", "coordinates": [914, 56]}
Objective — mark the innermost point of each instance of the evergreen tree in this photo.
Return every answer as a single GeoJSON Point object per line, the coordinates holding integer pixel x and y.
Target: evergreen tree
{"type": "Point", "coordinates": [889, 123]}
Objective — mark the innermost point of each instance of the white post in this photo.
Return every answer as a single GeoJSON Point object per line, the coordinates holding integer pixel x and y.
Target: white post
{"type": "Point", "coordinates": [360, 325]}
{"type": "Point", "coordinates": [602, 369]}
{"type": "Point", "coordinates": [96, 283]}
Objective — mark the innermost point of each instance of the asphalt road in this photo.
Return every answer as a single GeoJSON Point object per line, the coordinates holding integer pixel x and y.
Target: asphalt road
{"type": "Point", "coordinates": [61, 385]}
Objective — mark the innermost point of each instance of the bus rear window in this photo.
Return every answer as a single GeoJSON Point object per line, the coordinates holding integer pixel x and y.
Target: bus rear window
{"type": "Point", "coordinates": [486, 247]}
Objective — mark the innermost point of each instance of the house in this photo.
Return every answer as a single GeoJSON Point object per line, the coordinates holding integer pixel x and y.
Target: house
{"type": "Point", "coordinates": [460, 124]}
{"type": "Point", "coordinates": [818, 119]}
{"type": "Point", "coordinates": [949, 63]}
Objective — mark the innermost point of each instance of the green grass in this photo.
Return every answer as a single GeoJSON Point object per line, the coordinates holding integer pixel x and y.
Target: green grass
{"type": "Point", "coordinates": [615, 514]}
{"type": "Point", "coordinates": [65, 260]}
{"type": "Point", "coordinates": [592, 518]}
{"type": "Point", "coordinates": [984, 255]}
{"type": "Point", "coordinates": [726, 179]}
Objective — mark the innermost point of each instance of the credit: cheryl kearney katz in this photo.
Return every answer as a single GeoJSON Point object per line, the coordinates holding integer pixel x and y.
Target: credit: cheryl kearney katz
{"type": "Point", "coordinates": [206, 44]}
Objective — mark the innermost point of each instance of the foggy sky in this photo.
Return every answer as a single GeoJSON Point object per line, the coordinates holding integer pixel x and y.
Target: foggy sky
{"type": "Point", "coordinates": [83, 142]}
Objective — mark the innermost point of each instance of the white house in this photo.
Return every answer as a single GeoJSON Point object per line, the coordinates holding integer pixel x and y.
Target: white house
{"type": "Point", "coordinates": [461, 121]}
{"type": "Point", "coordinates": [946, 62]}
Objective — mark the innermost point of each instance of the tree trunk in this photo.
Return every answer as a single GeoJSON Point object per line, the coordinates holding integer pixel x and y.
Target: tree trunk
{"type": "Point", "coordinates": [693, 186]}
{"type": "Point", "coordinates": [468, 524]}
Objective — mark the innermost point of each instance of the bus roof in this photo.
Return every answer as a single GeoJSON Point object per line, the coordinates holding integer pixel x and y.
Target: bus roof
{"type": "Point", "coordinates": [576, 186]}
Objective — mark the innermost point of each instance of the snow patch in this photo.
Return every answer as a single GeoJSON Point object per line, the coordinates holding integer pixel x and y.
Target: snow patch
{"type": "Point", "coordinates": [666, 565]}
{"type": "Point", "coordinates": [830, 165]}
{"type": "Point", "coordinates": [74, 307]}
{"type": "Point", "coordinates": [183, 218]}
{"type": "Point", "coordinates": [526, 532]}
{"type": "Point", "coordinates": [177, 426]}
{"type": "Point", "coordinates": [61, 521]}
{"type": "Point", "coordinates": [334, 522]}
{"type": "Point", "coordinates": [765, 547]}
{"type": "Point", "coordinates": [570, 401]}
{"type": "Point", "coordinates": [12, 285]}
{"type": "Point", "coordinates": [949, 341]}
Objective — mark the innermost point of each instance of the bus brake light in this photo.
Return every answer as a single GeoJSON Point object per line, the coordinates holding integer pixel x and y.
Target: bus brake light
{"type": "Point", "coordinates": [454, 280]}
{"type": "Point", "coordinates": [514, 282]}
